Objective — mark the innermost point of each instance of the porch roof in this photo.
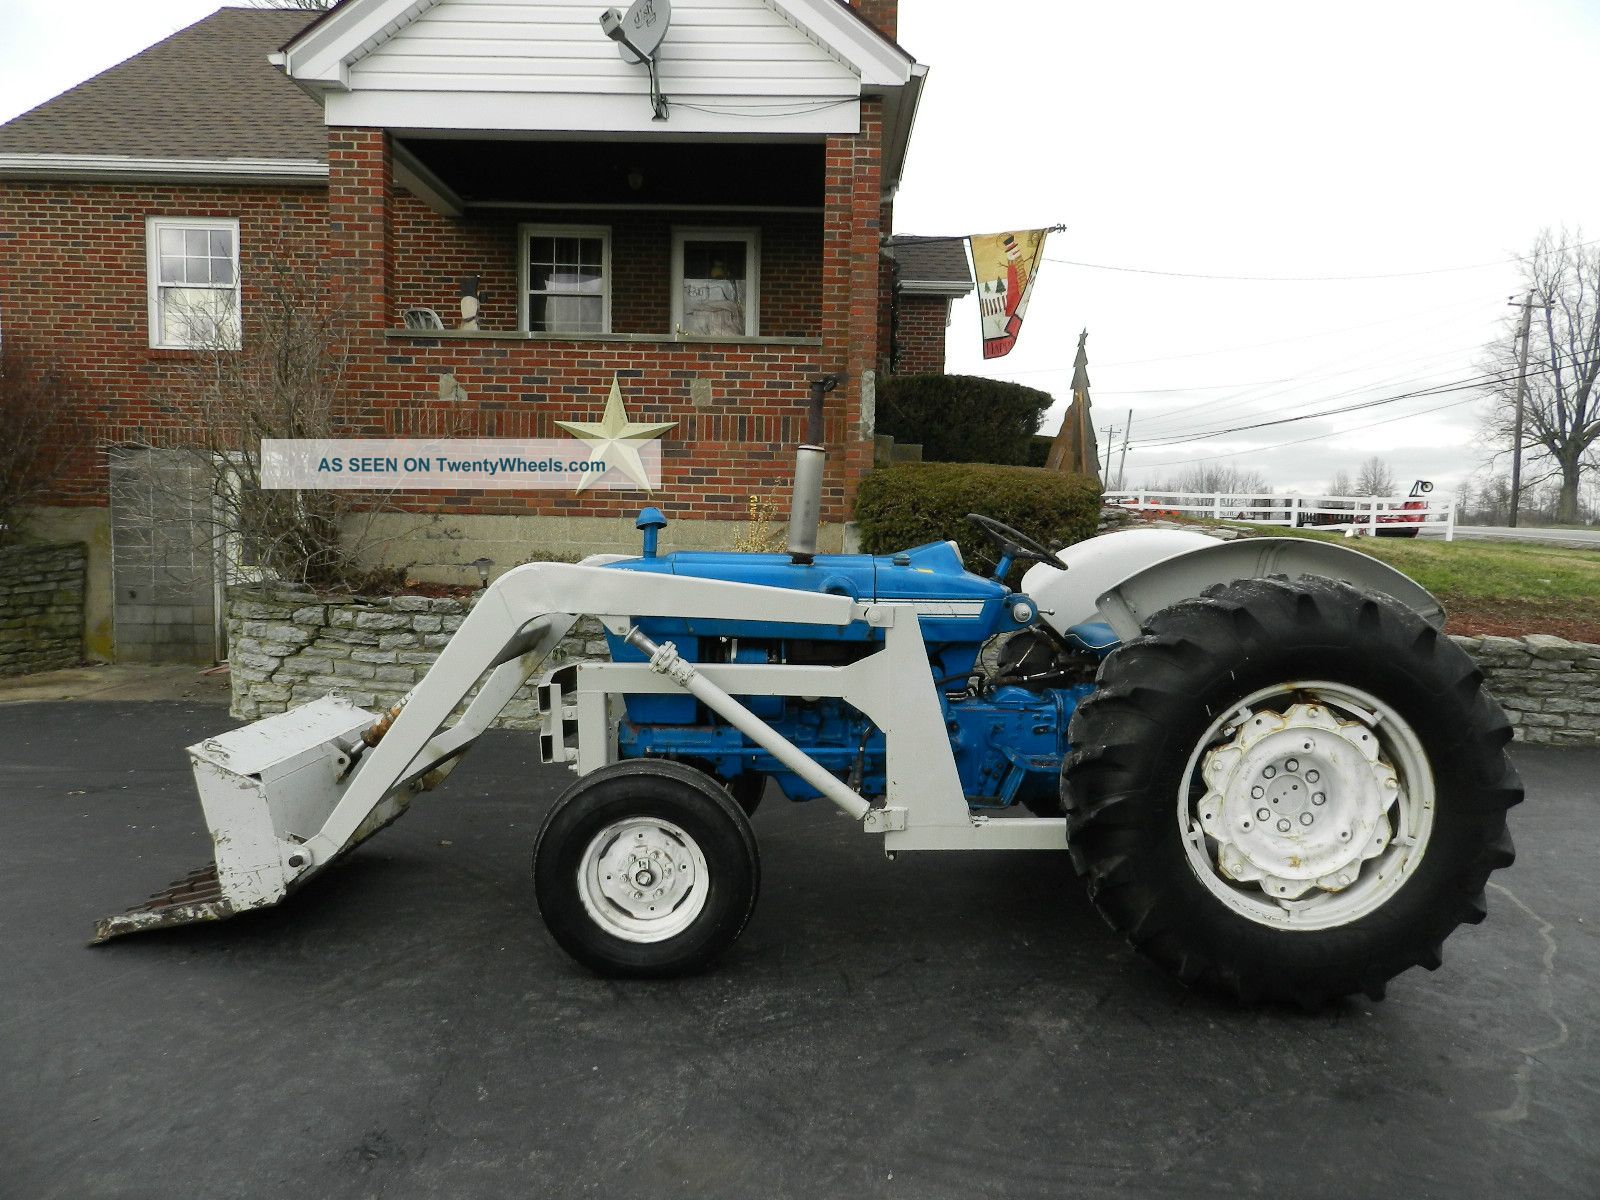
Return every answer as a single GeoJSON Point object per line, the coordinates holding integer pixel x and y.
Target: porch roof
{"type": "Point", "coordinates": [754, 69]}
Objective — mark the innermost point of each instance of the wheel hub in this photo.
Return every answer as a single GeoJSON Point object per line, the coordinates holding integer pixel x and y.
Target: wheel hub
{"type": "Point", "coordinates": [643, 879]}
{"type": "Point", "coordinates": [1297, 800]}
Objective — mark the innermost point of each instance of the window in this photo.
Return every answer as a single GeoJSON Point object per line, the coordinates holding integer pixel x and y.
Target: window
{"type": "Point", "coordinates": [566, 279]}
{"type": "Point", "coordinates": [194, 282]}
{"type": "Point", "coordinates": [716, 288]}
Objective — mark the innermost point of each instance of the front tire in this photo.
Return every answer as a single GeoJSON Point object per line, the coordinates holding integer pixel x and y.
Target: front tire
{"type": "Point", "coordinates": [645, 868]}
{"type": "Point", "coordinates": [1362, 734]}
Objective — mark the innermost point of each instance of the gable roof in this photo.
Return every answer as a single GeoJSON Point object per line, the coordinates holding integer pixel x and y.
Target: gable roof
{"type": "Point", "coordinates": [931, 266]}
{"type": "Point", "coordinates": [323, 52]}
{"type": "Point", "coordinates": [206, 93]}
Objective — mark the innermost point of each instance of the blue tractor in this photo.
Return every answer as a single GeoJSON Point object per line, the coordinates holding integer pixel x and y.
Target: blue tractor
{"type": "Point", "coordinates": [1273, 772]}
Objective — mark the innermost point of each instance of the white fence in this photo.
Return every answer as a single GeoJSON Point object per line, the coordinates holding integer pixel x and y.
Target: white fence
{"type": "Point", "coordinates": [1388, 516]}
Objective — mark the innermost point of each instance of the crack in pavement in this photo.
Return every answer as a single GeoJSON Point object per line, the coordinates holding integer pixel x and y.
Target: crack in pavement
{"type": "Point", "coordinates": [1517, 1110]}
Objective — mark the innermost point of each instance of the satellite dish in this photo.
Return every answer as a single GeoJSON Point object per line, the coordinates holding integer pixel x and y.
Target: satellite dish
{"type": "Point", "coordinates": [639, 31]}
{"type": "Point", "coordinates": [638, 35]}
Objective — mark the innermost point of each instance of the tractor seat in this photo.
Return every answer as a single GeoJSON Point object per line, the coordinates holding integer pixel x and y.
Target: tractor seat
{"type": "Point", "coordinates": [1092, 637]}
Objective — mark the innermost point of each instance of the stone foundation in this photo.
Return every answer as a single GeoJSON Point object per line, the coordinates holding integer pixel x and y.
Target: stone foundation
{"type": "Point", "coordinates": [287, 647]}
{"type": "Point", "coordinates": [41, 607]}
{"type": "Point", "coordinates": [1549, 687]}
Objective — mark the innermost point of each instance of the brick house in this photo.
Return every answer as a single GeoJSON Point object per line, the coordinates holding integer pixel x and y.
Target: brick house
{"type": "Point", "coordinates": [406, 145]}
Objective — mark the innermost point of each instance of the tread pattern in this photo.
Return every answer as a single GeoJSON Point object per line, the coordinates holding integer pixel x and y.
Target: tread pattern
{"type": "Point", "coordinates": [1160, 691]}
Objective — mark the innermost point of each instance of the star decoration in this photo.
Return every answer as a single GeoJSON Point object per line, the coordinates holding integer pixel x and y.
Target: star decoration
{"type": "Point", "coordinates": [614, 439]}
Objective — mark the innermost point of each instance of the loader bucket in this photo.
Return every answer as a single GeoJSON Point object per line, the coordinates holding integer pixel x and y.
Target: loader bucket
{"type": "Point", "coordinates": [263, 787]}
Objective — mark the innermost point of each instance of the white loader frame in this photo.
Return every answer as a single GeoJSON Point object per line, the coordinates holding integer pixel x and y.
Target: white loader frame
{"type": "Point", "coordinates": [524, 613]}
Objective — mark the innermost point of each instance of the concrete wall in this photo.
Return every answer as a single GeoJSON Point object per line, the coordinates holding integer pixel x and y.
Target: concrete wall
{"type": "Point", "coordinates": [162, 558]}
{"type": "Point", "coordinates": [441, 549]}
{"type": "Point", "coordinates": [41, 608]}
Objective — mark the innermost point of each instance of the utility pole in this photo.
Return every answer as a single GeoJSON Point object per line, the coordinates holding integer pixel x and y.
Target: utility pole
{"type": "Point", "coordinates": [1111, 441]}
{"type": "Point", "coordinates": [1122, 460]}
{"type": "Point", "coordinates": [1522, 390]}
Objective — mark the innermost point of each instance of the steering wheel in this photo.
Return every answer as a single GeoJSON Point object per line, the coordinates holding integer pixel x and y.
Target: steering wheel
{"type": "Point", "coordinates": [1013, 545]}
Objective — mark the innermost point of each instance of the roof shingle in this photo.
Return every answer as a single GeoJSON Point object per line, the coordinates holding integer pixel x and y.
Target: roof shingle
{"type": "Point", "coordinates": [206, 92]}
{"type": "Point", "coordinates": [932, 261]}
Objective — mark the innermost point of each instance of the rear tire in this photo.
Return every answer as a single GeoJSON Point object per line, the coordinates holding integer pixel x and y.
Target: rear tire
{"type": "Point", "coordinates": [1198, 728]}
{"type": "Point", "coordinates": [645, 868]}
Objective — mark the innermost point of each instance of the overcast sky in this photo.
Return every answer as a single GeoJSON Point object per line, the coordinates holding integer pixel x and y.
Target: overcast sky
{"type": "Point", "coordinates": [1405, 138]}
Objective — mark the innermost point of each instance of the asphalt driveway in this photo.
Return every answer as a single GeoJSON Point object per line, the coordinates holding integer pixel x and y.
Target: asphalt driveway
{"type": "Point", "coordinates": [941, 1026]}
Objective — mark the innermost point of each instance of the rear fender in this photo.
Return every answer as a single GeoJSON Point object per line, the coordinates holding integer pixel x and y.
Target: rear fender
{"type": "Point", "coordinates": [1127, 605]}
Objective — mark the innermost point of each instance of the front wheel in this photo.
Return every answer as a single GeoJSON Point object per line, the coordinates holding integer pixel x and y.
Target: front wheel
{"type": "Point", "coordinates": [1289, 791]}
{"type": "Point", "coordinates": [645, 868]}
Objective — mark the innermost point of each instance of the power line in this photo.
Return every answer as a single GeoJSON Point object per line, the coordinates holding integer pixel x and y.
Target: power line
{"type": "Point", "coordinates": [1474, 384]}
{"type": "Point", "coordinates": [1164, 422]}
{"type": "Point", "coordinates": [1306, 278]}
{"type": "Point", "coordinates": [1183, 462]}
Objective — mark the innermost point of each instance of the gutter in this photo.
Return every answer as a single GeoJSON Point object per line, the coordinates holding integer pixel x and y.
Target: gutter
{"type": "Point", "coordinates": [131, 169]}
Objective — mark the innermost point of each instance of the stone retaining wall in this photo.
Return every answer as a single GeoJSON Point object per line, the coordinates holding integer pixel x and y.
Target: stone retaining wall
{"type": "Point", "coordinates": [41, 607]}
{"type": "Point", "coordinates": [287, 647]}
{"type": "Point", "coordinates": [1549, 687]}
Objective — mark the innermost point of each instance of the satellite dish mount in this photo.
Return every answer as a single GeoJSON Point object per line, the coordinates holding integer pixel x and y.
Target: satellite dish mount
{"type": "Point", "coordinates": [638, 35]}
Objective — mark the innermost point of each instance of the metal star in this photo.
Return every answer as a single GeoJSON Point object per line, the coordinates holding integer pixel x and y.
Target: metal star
{"type": "Point", "coordinates": [614, 439]}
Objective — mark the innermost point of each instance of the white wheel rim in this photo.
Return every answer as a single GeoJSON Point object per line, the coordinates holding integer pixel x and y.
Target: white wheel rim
{"type": "Point", "coordinates": [1307, 806]}
{"type": "Point", "coordinates": [643, 879]}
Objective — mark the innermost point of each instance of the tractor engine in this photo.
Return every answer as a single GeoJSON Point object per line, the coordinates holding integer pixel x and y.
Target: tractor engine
{"type": "Point", "coordinates": [1006, 710]}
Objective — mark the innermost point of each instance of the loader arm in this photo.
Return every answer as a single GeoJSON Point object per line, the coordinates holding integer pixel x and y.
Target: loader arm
{"type": "Point", "coordinates": [536, 605]}
{"type": "Point", "coordinates": [287, 795]}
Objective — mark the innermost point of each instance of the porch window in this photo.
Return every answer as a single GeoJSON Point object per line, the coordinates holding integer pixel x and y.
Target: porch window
{"type": "Point", "coordinates": [193, 272]}
{"type": "Point", "coordinates": [566, 271]}
{"type": "Point", "coordinates": [716, 282]}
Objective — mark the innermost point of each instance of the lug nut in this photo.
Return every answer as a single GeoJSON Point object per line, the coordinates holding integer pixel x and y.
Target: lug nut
{"type": "Point", "coordinates": [1319, 798]}
{"type": "Point", "coordinates": [1313, 775]}
{"type": "Point", "coordinates": [1293, 764]}
{"type": "Point", "coordinates": [1269, 772]}
{"type": "Point", "coordinates": [1283, 824]}
{"type": "Point", "coordinates": [1306, 818]}
{"type": "Point", "coordinates": [1257, 792]}
{"type": "Point", "coordinates": [1262, 814]}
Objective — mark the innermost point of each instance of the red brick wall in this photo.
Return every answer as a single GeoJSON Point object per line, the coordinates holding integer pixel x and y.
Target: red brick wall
{"type": "Point", "coordinates": [919, 333]}
{"type": "Point", "coordinates": [73, 283]}
{"type": "Point", "coordinates": [72, 274]}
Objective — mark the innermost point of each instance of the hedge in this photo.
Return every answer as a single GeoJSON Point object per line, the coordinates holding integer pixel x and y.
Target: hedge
{"type": "Point", "coordinates": [961, 418]}
{"type": "Point", "coordinates": [909, 504]}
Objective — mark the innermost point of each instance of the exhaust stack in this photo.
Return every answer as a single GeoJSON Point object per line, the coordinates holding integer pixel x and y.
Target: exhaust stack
{"type": "Point", "coordinates": [805, 511]}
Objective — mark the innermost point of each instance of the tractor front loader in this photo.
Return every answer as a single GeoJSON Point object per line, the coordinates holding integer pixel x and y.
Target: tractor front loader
{"type": "Point", "coordinates": [1274, 773]}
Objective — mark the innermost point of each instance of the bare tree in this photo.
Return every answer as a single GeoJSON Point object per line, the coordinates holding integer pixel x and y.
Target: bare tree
{"type": "Point", "coordinates": [1375, 478]}
{"type": "Point", "coordinates": [283, 377]}
{"type": "Point", "coordinates": [1218, 477]}
{"type": "Point", "coordinates": [1561, 422]}
{"type": "Point", "coordinates": [37, 433]}
{"type": "Point", "coordinates": [1341, 485]}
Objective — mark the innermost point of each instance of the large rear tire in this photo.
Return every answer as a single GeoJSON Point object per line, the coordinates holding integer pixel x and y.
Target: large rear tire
{"type": "Point", "coordinates": [645, 868]}
{"type": "Point", "coordinates": [1289, 791]}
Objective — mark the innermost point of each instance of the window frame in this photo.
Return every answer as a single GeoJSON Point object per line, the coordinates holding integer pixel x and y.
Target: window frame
{"type": "Point", "coordinates": [153, 285]}
{"type": "Point", "coordinates": [525, 235]}
{"type": "Point", "coordinates": [750, 235]}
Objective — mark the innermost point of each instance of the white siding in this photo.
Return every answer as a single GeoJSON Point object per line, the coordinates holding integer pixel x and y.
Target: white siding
{"type": "Point", "coordinates": [726, 52]}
